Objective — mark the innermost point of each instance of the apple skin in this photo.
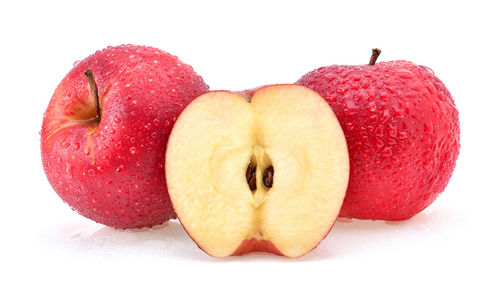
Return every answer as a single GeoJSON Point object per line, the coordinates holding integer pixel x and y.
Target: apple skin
{"type": "Point", "coordinates": [112, 171]}
{"type": "Point", "coordinates": [402, 131]}
{"type": "Point", "coordinates": [253, 245]}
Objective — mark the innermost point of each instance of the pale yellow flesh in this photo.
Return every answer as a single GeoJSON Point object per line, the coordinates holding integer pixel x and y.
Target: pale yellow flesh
{"type": "Point", "coordinates": [287, 126]}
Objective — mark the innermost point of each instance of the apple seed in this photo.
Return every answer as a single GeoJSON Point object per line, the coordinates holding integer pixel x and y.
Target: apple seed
{"type": "Point", "coordinates": [251, 177]}
{"type": "Point", "coordinates": [268, 177]}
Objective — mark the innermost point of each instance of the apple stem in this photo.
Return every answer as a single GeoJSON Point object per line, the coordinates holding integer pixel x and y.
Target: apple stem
{"type": "Point", "coordinates": [375, 53]}
{"type": "Point", "coordinates": [93, 87]}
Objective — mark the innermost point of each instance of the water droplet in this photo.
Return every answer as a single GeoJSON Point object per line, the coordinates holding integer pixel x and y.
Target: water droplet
{"type": "Point", "coordinates": [387, 152]}
{"type": "Point", "coordinates": [132, 150]}
{"type": "Point", "coordinates": [427, 128]}
{"type": "Point", "coordinates": [398, 113]}
{"type": "Point", "coordinates": [365, 83]}
{"type": "Point", "coordinates": [379, 131]}
{"type": "Point", "coordinates": [341, 90]}
{"type": "Point", "coordinates": [441, 95]}
{"type": "Point", "coordinates": [117, 119]}
{"type": "Point", "coordinates": [120, 168]}
{"type": "Point", "coordinates": [355, 77]}
{"type": "Point", "coordinates": [76, 145]}
{"type": "Point", "coordinates": [64, 144]}
{"type": "Point", "coordinates": [118, 144]}
{"type": "Point", "coordinates": [372, 107]}
{"type": "Point", "coordinates": [402, 134]}
{"type": "Point", "coordinates": [391, 131]}
{"type": "Point", "coordinates": [351, 107]}
{"type": "Point", "coordinates": [416, 86]}
{"type": "Point", "coordinates": [76, 62]}
{"type": "Point", "coordinates": [373, 119]}
{"type": "Point", "coordinates": [405, 74]}
{"type": "Point", "coordinates": [69, 171]}
{"type": "Point", "coordinates": [384, 96]}
{"type": "Point", "coordinates": [385, 116]}
{"type": "Point", "coordinates": [59, 160]}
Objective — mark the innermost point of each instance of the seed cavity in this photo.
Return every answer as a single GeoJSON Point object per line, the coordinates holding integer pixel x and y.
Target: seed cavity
{"type": "Point", "coordinates": [251, 176]}
{"type": "Point", "coordinates": [268, 177]}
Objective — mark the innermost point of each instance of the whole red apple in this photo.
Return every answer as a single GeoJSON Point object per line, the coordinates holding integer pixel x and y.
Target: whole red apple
{"type": "Point", "coordinates": [402, 130]}
{"type": "Point", "coordinates": [105, 131]}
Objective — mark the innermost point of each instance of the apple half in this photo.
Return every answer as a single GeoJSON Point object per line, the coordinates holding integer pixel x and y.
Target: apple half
{"type": "Point", "coordinates": [266, 174]}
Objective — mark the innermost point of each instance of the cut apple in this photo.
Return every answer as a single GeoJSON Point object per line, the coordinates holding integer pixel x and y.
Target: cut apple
{"type": "Point", "coordinates": [266, 174]}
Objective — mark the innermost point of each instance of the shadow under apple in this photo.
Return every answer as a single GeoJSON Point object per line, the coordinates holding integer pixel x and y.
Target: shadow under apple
{"type": "Point", "coordinates": [348, 237]}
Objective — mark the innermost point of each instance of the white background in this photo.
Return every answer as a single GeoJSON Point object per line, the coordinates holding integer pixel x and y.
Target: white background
{"type": "Point", "coordinates": [449, 251]}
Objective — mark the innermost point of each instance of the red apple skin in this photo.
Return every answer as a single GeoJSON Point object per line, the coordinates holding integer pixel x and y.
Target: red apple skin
{"type": "Point", "coordinates": [113, 171]}
{"type": "Point", "coordinates": [402, 131]}
{"type": "Point", "coordinates": [253, 245]}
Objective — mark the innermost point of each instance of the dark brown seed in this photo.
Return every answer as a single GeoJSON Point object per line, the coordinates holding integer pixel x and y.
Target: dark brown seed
{"type": "Point", "coordinates": [268, 177]}
{"type": "Point", "coordinates": [251, 177]}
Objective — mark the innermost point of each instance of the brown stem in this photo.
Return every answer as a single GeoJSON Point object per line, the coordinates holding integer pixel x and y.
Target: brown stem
{"type": "Point", "coordinates": [93, 87]}
{"type": "Point", "coordinates": [375, 53]}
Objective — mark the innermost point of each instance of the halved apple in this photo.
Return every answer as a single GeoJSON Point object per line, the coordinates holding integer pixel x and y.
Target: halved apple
{"type": "Point", "coordinates": [262, 174]}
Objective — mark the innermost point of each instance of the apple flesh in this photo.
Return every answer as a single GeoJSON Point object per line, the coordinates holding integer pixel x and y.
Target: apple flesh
{"type": "Point", "coordinates": [105, 131]}
{"type": "Point", "coordinates": [267, 175]}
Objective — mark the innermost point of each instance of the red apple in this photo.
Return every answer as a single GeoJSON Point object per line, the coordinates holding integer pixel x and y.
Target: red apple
{"type": "Point", "coordinates": [266, 173]}
{"type": "Point", "coordinates": [402, 130]}
{"type": "Point", "coordinates": [105, 131]}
